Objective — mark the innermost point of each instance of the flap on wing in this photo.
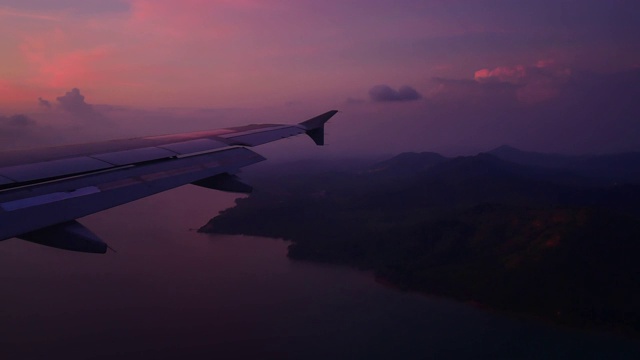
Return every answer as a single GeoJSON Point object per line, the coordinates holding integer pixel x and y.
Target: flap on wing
{"type": "Point", "coordinates": [133, 156]}
{"type": "Point", "coordinates": [194, 146]}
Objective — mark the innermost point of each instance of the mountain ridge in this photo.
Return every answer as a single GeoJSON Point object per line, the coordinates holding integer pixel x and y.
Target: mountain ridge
{"type": "Point", "coordinates": [523, 238]}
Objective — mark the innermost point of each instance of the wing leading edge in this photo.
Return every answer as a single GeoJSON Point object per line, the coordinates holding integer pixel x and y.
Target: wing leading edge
{"type": "Point", "coordinates": [43, 191]}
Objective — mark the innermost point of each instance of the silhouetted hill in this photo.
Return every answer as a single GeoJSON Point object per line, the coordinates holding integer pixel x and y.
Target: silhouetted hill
{"type": "Point", "coordinates": [574, 265]}
{"type": "Point", "coordinates": [532, 239]}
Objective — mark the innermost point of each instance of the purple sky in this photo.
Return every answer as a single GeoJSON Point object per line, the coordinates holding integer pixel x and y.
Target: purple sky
{"type": "Point", "coordinates": [410, 75]}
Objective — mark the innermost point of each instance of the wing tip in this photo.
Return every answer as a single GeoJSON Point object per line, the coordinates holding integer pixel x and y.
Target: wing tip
{"type": "Point", "coordinates": [314, 127]}
{"type": "Point", "coordinates": [318, 121]}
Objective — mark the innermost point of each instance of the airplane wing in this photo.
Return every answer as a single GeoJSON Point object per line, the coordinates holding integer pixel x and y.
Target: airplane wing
{"type": "Point", "coordinates": [43, 191]}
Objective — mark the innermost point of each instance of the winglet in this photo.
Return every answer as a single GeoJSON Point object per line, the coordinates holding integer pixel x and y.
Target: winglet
{"type": "Point", "coordinates": [315, 126]}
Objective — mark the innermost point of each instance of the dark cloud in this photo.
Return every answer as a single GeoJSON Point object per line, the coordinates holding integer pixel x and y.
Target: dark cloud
{"type": "Point", "coordinates": [73, 103]}
{"type": "Point", "coordinates": [44, 103]}
{"type": "Point", "coordinates": [384, 93]}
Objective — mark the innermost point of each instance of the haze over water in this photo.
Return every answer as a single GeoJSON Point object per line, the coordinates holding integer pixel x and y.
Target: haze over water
{"type": "Point", "coordinates": [170, 292]}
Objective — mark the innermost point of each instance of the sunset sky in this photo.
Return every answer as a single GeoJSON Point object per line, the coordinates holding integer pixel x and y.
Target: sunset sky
{"type": "Point", "coordinates": [456, 76]}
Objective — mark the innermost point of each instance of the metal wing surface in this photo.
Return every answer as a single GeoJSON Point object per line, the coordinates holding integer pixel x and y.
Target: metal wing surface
{"type": "Point", "coordinates": [43, 191]}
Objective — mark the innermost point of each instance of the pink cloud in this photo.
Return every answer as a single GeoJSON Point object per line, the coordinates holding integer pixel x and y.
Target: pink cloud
{"type": "Point", "coordinates": [536, 83]}
{"type": "Point", "coordinates": [514, 74]}
{"type": "Point", "coordinates": [56, 64]}
{"type": "Point", "coordinates": [75, 68]}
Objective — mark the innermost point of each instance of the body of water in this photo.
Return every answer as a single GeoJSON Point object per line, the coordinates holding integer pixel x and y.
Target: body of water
{"type": "Point", "coordinates": [170, 292]}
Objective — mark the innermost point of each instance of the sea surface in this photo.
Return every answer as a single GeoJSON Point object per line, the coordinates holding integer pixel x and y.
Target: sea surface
{"type": "Point", "coordinates": [170, 292]}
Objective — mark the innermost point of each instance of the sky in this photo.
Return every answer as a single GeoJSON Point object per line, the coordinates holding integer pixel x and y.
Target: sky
{"type": "Point", "coordinates": [456, 76]}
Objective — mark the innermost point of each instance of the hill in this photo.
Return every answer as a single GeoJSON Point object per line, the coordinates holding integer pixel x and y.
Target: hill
{"type": "Point", "coordinates": [542, 240]}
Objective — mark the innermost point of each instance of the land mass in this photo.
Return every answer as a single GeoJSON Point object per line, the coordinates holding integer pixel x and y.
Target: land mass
{"type": "Point", "coordinates": [552, 236]}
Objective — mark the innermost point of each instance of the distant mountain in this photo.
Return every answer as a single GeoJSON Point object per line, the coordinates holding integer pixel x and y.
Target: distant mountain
{"type": "Point", "coordinates": [408, 163]}
{"type": "Point", "coordinates": [464, 181]}
{"type": "Point", "coordinates": [512, 154]}
{"type": "Point", "coordinates": [524, 234]}
{"type": "Point", "coordinates": [622, 167]}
